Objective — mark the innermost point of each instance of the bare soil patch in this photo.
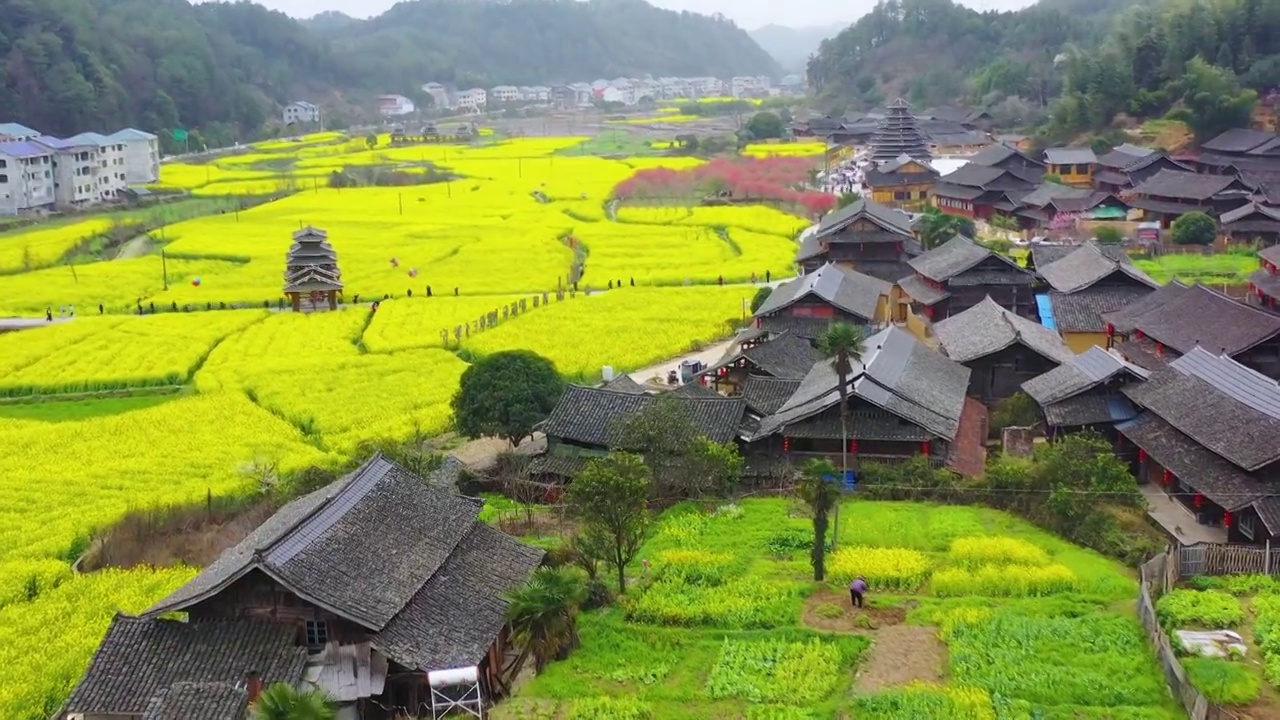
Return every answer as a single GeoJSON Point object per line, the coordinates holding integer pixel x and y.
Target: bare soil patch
{"type": "Point", "coordinates": [192, 536]}
{"type": "Point", "coordinates": [901, 654]}
{"type": "Point", "coordinates": [819, 614]}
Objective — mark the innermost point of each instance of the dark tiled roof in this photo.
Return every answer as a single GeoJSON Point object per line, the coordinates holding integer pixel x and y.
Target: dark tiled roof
{"type": "Point", "coordinates": [963, 192]}
{"type": "Point", "coordinates": [975, 175]}
{"type": "Point", "coordinates": [1090, 408]}
{"type": "Point", "coordinates": [1111, 177]}
{"type": "Point", "coordinates": [1082, 311]}
{"type": "Point", "coordinates": [1124, 320]}
{"type": "Point", "coordinates": [874, 424]}
{"type": "Point", "coordinates": [1141, 353]}
{"type": "Point", "coordinates": [1228, 427]}
{"type": "Point", "coordinates": [786, 356]}
{"type": "Point", "coordinates": [1200, 316]}
{"type": "Point", "coordinates": [1086, 265]}
{"type": "Point", "coordinates": [1123, 156]}
{"type": "Point", "coordinates": [1168, 207]}
{"type": "Point", "coordinates": [1042, 255]}
{"type": "Point", "coordinates": [810, 245]}
{"type": "Point", "coordinates": [848, 290]}
{"type": "Point", "coordinates": [624, 384]}
{"type": "Point", "coordinates": [764, 395]}
{"type": "Point", "coordinates": [1183, 185]}
{"type": "Point", "coordinates": [198, 701]}
{"type": "Point", "coordinates": [1217, 479]}
{"type": "Point", "coordinates": [1249, 209]}
{"type": "Point", "coordinates": [454, 618]}
{"type": "Point", "coordinates": [1070, 156]}
{"type": "Point", "coordinates": [697, 390]}
{"type": "Point", "coordinates": [1087, 370]}
{"type": "Point", "coordinates": [891, 220]}
{"type": "Point", "coordinates": [997, 154]}
{"type": "Point", "coordinates": [987, 328]}
{"type": "Point", "coordinates": [141, 657]}
{"type": "Point", "coordinates": [1238, 140]}
{"type": "Point", "coordinates": [589, 416]}
{"type": "Point", "coordinates": [555, 464]}
{"type": "Point", "coordinates": [1049, 192]}
{"type": "Point", "coordinates": [806, 327]}
{"type": "Point", "coordinates": [921, 291]}
{"type": "Point", "coordinates": [1242, 383]}
{"type": "Point", "coordinates": [950, 258]}
{"type": "Point", "coordinates": [1266, 282]}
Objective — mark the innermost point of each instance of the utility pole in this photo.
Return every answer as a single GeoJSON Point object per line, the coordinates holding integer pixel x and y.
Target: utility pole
{"type": "Point", "coordinates": [164, 268]}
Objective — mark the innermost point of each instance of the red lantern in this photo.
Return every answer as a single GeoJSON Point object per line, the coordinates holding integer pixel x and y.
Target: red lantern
{"type": "Point", "coordinates": [853, 447]}
{"type": "Point", "coordinates": [757, 323]}
{"type": "Point", "coordinates": [1159, 349]}
{"type": "Point", "coordinates": [1138, 334]}
{"type": "Point", "coordinates": [925, 448]}
{"type": "Point", "coordinates": [1226, 519]}
{"type": "Point", "coordinates": [1111, 330]}
{"type": "Point", "coordinates": [1166, 477]}
{"type": "Point", "coordinates": [928, 311]}
{"type": "Point", "coordinates": [1142, 455]}
{"type": "Point", "coordinates": [1199, 500]}
{"type": "Point", "coordinates": [786, 444]}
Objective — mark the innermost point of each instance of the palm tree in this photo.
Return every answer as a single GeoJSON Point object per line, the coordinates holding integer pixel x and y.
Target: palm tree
{"type": "Point", "coordinates": [843, 342]}
{"type": "Point", "coordinates": [282, 701]}
{"type": "Point", "coordinates": [821, 495]}
{"type": "Point", "coordinates": [543, 614]}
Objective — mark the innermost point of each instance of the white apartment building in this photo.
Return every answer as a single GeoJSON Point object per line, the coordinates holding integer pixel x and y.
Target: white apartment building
{"type": "Point", "coordinates": [73, 171]}
{"type": "Point", "coordinates": [439, 95]}
{"type": "Point", "coordinates": [706, 87]}
{"type": "Point", "coordinates": [301, 112]}
{"type": "Point", "coordinates": [109, 176]}
{"type": "Point", "coordinates": [141, 155]}
{"type": "Point", "coordinates": [538, 94]}
{"type": "Point", "coordinates": [26, 177]}
{"type": "Point", "coordinates": [473, 99]}
{"type": "Point", "coordinates": [393, 105]}
{"type": "Point", "coordinates": [504, 94]}
{"type": "Point", "coordinates": [16, 132]}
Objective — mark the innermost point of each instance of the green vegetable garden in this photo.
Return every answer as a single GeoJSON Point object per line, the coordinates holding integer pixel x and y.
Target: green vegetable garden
{"type": "Point", "coordinates": [725, 621]}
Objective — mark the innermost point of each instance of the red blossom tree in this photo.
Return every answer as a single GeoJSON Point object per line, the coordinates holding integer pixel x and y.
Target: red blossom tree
{"type": "Point", "coordinates": [769, 179]}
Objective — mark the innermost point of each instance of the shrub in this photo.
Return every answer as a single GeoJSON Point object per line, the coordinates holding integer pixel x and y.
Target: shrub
{"type": "Point", "coordinates": [609, 708]}
{"type": "Point", "coordinates": [885, 569]}
{"type": "Point", "coordinates": [1004, 581]}
{"type": "Point", "coordinates": [1222, 681]}
{"type": "Point", "coordinates": [775, 671]}
{"type": "Point", "coordinates": [789, 541]}
{"type": "Point", "coordinates": [1236, 584]}
{"type": "Point", "coordinates": [975, 551]}
{"type": "Point", "coordinates": [694, 567]}
{"type": "Point", "coordinates": [1199, 608]}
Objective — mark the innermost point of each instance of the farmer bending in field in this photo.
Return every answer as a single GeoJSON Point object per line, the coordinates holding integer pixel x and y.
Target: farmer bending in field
{"type": "Point", "coordinates": [857, 589]}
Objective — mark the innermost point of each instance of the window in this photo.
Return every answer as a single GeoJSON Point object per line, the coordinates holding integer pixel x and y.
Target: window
{"type": "Point", "coordinates": [900, 195]}
{"type": "Point", "coordinates": [317, 633]}
{"type": "Point", "coordinates": [1248, 525]}
{"type": "Point", "coordinates": [1082, 169]}
{"type": "Point", "coordinates": [4, 163]}
{"type": "Point", "coordinates": [4, 178]}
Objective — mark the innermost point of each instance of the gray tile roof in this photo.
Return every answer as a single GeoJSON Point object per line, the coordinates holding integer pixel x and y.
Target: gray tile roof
{"type": "Point", "coordinates": [1239, 140]}
{"type": "Point", "coordinates": [363, 548]}
{"type": "Point", "coordinates": [787, 356]}
{"type": "Point", "coordinates": [987, 328]}
{"type": "Point", "coordinates": [950, 258]}
{"type": "Point", "coordinates": [1242, 383]}
{"type": "Point", "coordinates": [555, 464]}
{"type": "Point", "coordinates": [1219, 422]}
{"type": "Point", "coordinates": [198, 701]}
{"type": "Point", "coordinates": [897, 373]}
{"type": "Point", "coordinates": [1090, 408]}
{"type": "Point", "coordinates": [455, 617]}
{"type": "Point", "coordinates": [810, 244]}
{"type": "Point", "coordinates": [1048, 192]}
{"type": "Point", "coordinates": [589, 416]}
{"type": "Point", "coordinates": [696, 390]}
{"type": "Point", "coordinates": [1124, 320]}
{"type": "Point", "coordinates": [1248, 209]}
{"type": "Point", "coordinates": [810, 328]}
{"type": "Point", "coordinates": [1085, 371]}
{"type": "Point", "coordinates": [1123, 156]}
{"type": "Point", "coordinates": [1042, 255]}
{"type": "Point", "coordinates": [1203, 317]}
{"type": "Point", "coordinates": [1070, 156]}
{"type": "Point", "coordinates": [848, 290]}
{"type": "Point", "coordinates": [921, 291]}
{"type": "Point", "coordinates": [1210, 475]}
{"type": "Point", "coordinates": [141, 657]}
{"type": "Point", "coordinates": [1182, 185]}
{"type": "Point", "coordinates": [1085, 266]}
{"type": "Point", "coordinates": [624, 384]}
{"type": "Point", "coordinates": [764, 395]}
{"type": "Point", "coordinates": [1082, 311]}
{"type": "Point", "coordinates": [891, 220]}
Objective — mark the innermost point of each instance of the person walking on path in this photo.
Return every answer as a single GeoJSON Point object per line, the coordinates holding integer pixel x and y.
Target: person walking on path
{"type": "Point", "coordinates": [857, 589]}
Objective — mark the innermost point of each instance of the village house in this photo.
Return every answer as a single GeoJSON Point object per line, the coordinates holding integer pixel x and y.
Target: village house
{"type": "Point", "coordinates": [1240, 151]}
{"type": "Point", "coordinates": [1073, 165]}
{"type": "Point", "coordinates": [864, 236]}
{"type": "Point", "coordinates": [1127, 166]}
{"type": "Point", "coordinates": [806, 306]}
{"type": "Point", "coordinates": [1252, 222]}
{"type": "Point", "coordinates": [109, 175]}
{"type": "Point", "coordinates": [904, 400]}
{"type": "Point", "coordinates": [982, 192]}
{"type": "Point", "coordinates": [439, 95]}
{"type": "Point", "coordinates": [1084, 393]}
{"type": "Point", "coordinates": [1012, 159]}
{"type": "Point", "coordinates": [1208, 438]}
{"type": "Point", "coordinates": [1049, 202]}
{"type": "Point", "coordinates": [1085, 284]}
{"type": "Point", "coordinates": [903, 183]}
{"type": "Point", "coordinates": [301, 112]}
{"type": "Point", "coordinates": [504, 94]}
{"type": "Point", "coordinates": [959, 274]}
{"type": "Point", "coordinates": [585, 425]}
{"type": "Point", "coordinates": [26, 177]}
{"type": "Point", "coordinates": [1178, 318]}
{"type": "Point", "coordinates": [1002, 349]}
{"type": "Point", "coordinates": [17, 132]}
{"type": "Point", "coordinates": [74, 165]}
{"type": "Point", "coordinates": [379, 589]}
{"type": "Point", "coordinates": [1169, 194]}
{"type": "Point", "coordinates": [1264, 283]}
{"type": "Point", "coordinates": [141, 155]}
{"type": "Point", "coordinates": [395, 105]}
{"type": "Point", "coordinates": [786, 356]}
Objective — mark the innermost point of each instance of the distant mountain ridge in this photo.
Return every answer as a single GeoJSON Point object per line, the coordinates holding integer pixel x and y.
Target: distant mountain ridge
{"type": "Point", "coordinates": [791, 47]}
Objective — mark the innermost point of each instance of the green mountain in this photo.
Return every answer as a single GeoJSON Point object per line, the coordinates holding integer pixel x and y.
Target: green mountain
{"type": "Point", "coordinates": [68, 66]}
{"type": "Point", "coordinates": [791, 47]}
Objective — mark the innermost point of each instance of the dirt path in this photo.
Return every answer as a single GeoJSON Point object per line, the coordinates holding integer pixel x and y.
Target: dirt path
{"type": "Point", "coordinates": [481, 454]}
{"type": "Point", "coordinates": [901, 654]}
{"type": "Point", "coordinates": [137, 247]}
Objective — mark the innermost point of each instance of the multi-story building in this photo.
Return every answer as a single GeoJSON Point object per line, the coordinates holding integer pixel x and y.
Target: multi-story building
{"type": "Point", "coordinates": [73, 171]}
{"type": "Point", "coordinates": [439, 94]}
{"type": "Point", "coordinates": [301, 112]}
{"type": "Point", "coordinates": [26, 177]}
{"type": "Point", "coordinates": [141, 155]}
{"type": "Point", "coordinates": [394, 105]}
{"type": "Point", "coordinates": [538, 94]}
{"type": "Point", "coordinates": [473, 99]}
{"type": "Point", "coordinates": [504, 94]}
{"type": "Point", "coordinates": [11, 132]}
{"type": "Point", "coordinates": [109, 173]}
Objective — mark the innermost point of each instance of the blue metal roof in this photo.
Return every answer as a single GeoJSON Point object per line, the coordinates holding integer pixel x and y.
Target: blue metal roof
{"type": "Point", "coordinates": [22, 149]}
{"type": "Point", "coordinates": [54, 143]}
{"type": "Point", "coordinates": [131, 134]}
{"type": "Point", "coordinates": [90, 138]}
{"type": "Point", "coordinates": [13, 129]}
{"type": "Point", "coordinates": [1046, 312]}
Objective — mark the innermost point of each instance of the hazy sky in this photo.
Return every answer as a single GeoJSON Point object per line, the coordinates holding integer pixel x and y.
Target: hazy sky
{"type": "Point", "coordinates": [749, 14]}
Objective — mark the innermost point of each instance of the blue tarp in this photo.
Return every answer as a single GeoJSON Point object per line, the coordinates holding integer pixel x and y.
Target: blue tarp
{"type": "Point", "coordinates": [1046, 312]}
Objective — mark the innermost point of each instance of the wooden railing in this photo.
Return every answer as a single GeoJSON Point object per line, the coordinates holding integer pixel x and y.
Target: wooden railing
{"type": "Point", "coordinates": [1226, 559]}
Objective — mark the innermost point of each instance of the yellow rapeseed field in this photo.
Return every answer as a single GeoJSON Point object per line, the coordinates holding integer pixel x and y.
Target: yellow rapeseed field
{"type": "Point", "coordinates": [38, 247]}
{"type": "Point", "coordinates": [795, 149]}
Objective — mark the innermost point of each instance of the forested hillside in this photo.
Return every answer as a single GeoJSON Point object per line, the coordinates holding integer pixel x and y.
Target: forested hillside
{"type": "Point", "coordinates": [68, 66]}
{"type": "Point", "coordinates": [1067, 66]}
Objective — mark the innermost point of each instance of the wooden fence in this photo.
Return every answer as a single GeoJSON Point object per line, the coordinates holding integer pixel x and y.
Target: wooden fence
{"type": "Point", "coordinates": [1226, 559]}
{"type": "Point", "coordinates": [1159, 575]}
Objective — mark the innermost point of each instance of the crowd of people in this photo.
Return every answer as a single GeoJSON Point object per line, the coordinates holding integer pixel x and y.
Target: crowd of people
{"type": "Point", "coordinates": [845, 178]}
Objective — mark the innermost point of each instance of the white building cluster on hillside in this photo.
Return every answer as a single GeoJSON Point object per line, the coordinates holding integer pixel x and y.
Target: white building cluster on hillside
{"type": "Point", "coordinates": [40, 171]}
{"type": "Point", "coordinates": [627, 91]}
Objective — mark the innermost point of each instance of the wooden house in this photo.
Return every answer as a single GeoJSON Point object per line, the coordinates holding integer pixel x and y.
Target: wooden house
{"type": "Point", "coordinates": [369, 588]}
{"type": "Point", "coordinates": [311, 270]}
{"type": "Point", "coordinates": [1002, 349]}
{"type": "Point", "coordinates": [1178, 318]}
{"type": "Point", "coordinates": [1240, 150]}
{"type": "Point", "coordinates": [1252, 222]}
{"type": "Point", "coordinates": [1169, 194]}
{"type": "Point", "coordinates": [1127, 166]}
{"type": "Point", "coordinates": [903, 183]}
{"type": "Point", "coordinates": [1013, 159]}
{"type": "Point", "coordinates": [1084, 285]}
{"type": "Point", "coordinates": [806, 306]}
{"type": "Point", "coordinates": [586, 424]}
{"type": "Point", "coordinates": [959, 274]}
{"type": "Point", "coordinates": [898, 134]}
{"type": "Point", "coordinates": [1209, 436]}
{"type": "Point", "coordinates": [1084, 393]}
{"type": "Point", "coordinates": [864, 236]}
{"type": "Point", "coordinates": [904, 400]}
{"type": "Point", "coordinates": [1042, 205]}
{"type": "Point", "coordinates": [981, 191]}
{"type": "Point", "coordinates": [785, 357]}
{"type": "Point", "coordinates": [1073, 165]}
{"type": "Point", "coordinates": [1264, 283]}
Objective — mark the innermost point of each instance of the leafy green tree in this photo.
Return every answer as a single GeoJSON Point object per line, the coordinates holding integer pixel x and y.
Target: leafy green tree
{"type": "Point", "coordinates": [847, 199]}
{"type": "Point", "coordinates": [822, 496]}
{"type": "Point", "coordinates": [679, 455]}
{"type": "Point", "coordinates": [505, 394]}
{"type": "Point", "coordinates": [610, 497]}
{"type": "Point", "coordinates": [1194, 228]}
{"type": "Point", "coordinates": [765, 125]}
{"type": "Point", "coordinates": [544, 614]}
{"type": "Point", "coordinates": [281, 701]}
{"type": "Point", "coordinates": [1079, 471]}
{"type": "Point", "coordinates": [937, 227]}
{"type": "Point", "coordinates": [1213, 97]}
{"type": "Point", "coordinates": [760, 298]}
{"type": "Point", "coordinates": [1109, 235]}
